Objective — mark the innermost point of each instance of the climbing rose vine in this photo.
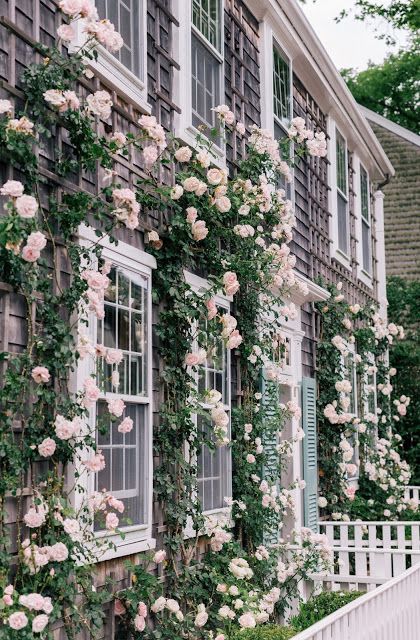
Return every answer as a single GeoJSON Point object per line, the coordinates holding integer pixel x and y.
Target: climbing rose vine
{"type": "Point", "coordinates": [236, 229]}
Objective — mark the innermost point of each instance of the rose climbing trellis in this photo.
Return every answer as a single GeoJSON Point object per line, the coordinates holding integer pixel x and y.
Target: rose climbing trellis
{"type": "Point", "coordinates": [237, 230]}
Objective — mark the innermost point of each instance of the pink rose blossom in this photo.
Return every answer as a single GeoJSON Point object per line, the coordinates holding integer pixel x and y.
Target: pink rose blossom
{"type": "Point", "coordinates": [29, 254]}
{"type": "Point", "coordinates": [199, 230]}
{"type": "Point", "coordinates": [17, 620]}
{"type": "Point", "coordinates": [32, 601]}
{"type": "Point", "coordinates": [240, 128]}
{"type": "Point", "coordinates": [34, 518]}
{"type": "Point", "coordinates": [215, 176]}
{"type": "Point", "coordinates": [5, 106]}
{"type": "Point", "coordinates": [47, 447]}
{"type": "Point", "coordinates": [40, 374]}
{"type": "Point", "coordinates": [223, 204]}
{"type": "Point", "coordinates": [70, 7]}
{"type": "Point", "coordinates": [100, 104]}
{"type": "Point", "coordinates": [191, 215]}
{"type": "Point", "coordinates": [12, 189]}
{"type": "Point", "coordinates": [150, 155]}
{"type": "Point", "coordinates": [139, 623]}
{"type": "Point", "coordinates": [211, 309]}
{"type": "Point", "coordinates": [234, 340]}
{"type": "Point", "coordinates": [58, 552]}
{"type": "Point", "coordinates": [95, 463]}
{"type": "Point", "coordinates": [39, 623]}
{"type": "Point", "coordinates": [183, 154]}
{"type": "Point", "coordinates": [116, 504]}
{"type": "Point", "coordinates": [159, 556]}
{"type": "Point", "coordinates": [36, 240]}
{"type": "Point", "coordinates": [114, 356]}
{"type": "Point", "coordinates": [230, 282]}
{"type": "Point", "coordinates": [92, 392]}
{"type": "Point", "coordinates": [126, 425]}
{"type": "Point", "coordinates": [111, 521]}
{"type": "Point", "coordinates": [116, 407]}
{"type": "Point", "coordinates": [65, 32]}
{"type": "Point", "coordinates": [8, 600]}
{"type": "Point", "coordinates": [250, 458]}
{"type": "Point", "coordinates": [26, 206]}
{"type": "Point", "coordinates": [142, 609]}
{"type": "Point", "coordinates": [119, 608]}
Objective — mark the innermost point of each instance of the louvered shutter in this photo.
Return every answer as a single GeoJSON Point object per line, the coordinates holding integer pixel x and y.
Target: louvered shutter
{"type": "Point", "coordinates": [310, 462]}
{"type": "Point", "coordinates": [270, 401]}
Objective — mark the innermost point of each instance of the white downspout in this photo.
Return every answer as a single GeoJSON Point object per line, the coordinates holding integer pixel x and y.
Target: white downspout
{"type": "Point", "coordinates": [380, 253]}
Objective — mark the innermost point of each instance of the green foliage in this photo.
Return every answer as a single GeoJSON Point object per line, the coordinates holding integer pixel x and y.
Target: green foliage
{"type": "Point", "coordinates": [318, 607]}
{"type": "Point", "coordinates": [267, 632]}
{"type": "Point", "coordinates": [404, 308]}
{"type": "Point", "coordinates": [390, 88]}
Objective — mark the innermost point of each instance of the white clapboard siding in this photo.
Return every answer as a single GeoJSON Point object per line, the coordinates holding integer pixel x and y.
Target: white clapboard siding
{"type": "Point", "coordinates": [367, 554]}
{"type": "Point", "coordinates": [389, 612]}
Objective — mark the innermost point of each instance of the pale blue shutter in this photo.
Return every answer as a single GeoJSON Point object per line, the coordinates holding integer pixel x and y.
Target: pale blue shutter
{"type": "Point", "coordinates": [310, 462]}
{"type": "Point", "coordinates": [270, 407]}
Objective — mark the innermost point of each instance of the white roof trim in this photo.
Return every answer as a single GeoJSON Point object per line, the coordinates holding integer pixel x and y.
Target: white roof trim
{"type": "Point", "coordinates": [400, 131]}
{"type": "Point", "coordinates": [311, 48]}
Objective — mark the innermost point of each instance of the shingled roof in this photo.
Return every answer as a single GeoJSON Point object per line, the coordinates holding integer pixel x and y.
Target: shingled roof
{"type": "Point", "coordinates": [402, 196]}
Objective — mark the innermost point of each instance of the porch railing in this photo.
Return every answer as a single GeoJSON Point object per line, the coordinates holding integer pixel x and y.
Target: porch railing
{"type": "Point", "coordinates": [390, 612]}
{"type": "Point", "coordinates": [367, 554]}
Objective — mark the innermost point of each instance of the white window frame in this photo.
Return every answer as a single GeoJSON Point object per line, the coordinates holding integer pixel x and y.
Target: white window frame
{"type": "Point", "coordinates": [270, 40]}
{"type": "Point", "coordinates": [110, 69]}
{"type": "Point", "coordinates": [201, 284]}
{"type": "Point", "coordinates": [184, 128]}
{"type": "Point", "coordinates": [337, 253]}
{"type": "Point", "coordinates": [363, 276]}
{"type": "Point", "coordinates": [138, 537]}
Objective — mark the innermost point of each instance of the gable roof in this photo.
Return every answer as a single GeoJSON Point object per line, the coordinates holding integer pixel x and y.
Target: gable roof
{"type": "Point", "coordinates": [393, 127]}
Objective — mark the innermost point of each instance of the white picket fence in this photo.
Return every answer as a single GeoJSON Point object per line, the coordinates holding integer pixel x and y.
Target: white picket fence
{"type": "Point", "coordinates": [412, 492]}
{"type": "Point", "coordinates": [390, 612]}
{"type": "Point", "coordinates": [367, 554]}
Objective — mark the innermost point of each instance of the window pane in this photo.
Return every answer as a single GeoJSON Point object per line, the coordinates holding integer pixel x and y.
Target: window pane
{"type": "Point", "coordinates": [213, 471]}
{"type": "Point", "coordinates": [126, 17]}
{"type": "Point", "coordinates": [125, 327]}
{"type": "Point", "coordinates": [364, 194]}
{"type": "Point", "coordinates": [206, 17]}
{"type": "Point", "coordinates": [205, 84]}
{"type": "Point", "coordinates": [366, 243]}
{"type": "Point", "coordinates": [342, 222]}
{"type": "Point", "coordinates": [126, 472]}
{"type": "Point", "coordinates": [341, 163]}
{"type": "Point", "coordinates": [281, 87]}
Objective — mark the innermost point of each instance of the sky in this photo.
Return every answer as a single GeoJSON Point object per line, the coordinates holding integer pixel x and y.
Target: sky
{"type": "Point", "coordinates": [350, 43]}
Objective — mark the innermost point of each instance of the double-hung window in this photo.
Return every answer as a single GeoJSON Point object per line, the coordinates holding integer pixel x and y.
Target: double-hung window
{"type": "Point", "coordinates": [214, 464]}
{"type": "Point", "coordinates": [343, 221]}
{"type": "Point", "coordinates": [206, 61]}
{"type": "Point", "coordinates": [127, 17]}
{"type": "Point", "coordinates": [128, 472]}
{"type": "Point", "coordinates": [126, 68]}
{"type": "Point", "coordinates": [366, 223]}
{"type": "Point", "coordinates": [282, 102]}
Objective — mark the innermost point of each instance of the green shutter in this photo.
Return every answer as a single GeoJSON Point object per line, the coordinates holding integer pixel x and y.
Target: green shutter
{"type": "Point", "coordinates": [310, 464]}
{"type": "Point", "coordinates": [270, 403]}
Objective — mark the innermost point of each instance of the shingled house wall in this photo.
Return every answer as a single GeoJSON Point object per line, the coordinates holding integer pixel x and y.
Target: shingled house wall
{"type": "Point", "coordinates": [401, 205]}
{"type": "Point", "coordinates": [25, 21]}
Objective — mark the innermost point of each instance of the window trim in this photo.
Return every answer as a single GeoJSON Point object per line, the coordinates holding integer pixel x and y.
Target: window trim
{"type": "Point", "coordinates": [362, 274]}
{"type": "Point", "coordinates": [198, 283]}
{"type": "Point", "coordinates": [337, 253]}
{"type": "Point", "coordinates": [184, 129]}
{"type": "Point", "coordinates": [137, 537]}
{"type": "Point", "coordinates": [111, 70]}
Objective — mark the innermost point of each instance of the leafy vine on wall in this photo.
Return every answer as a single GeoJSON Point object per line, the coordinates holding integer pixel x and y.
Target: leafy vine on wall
{"type": "Point", "coordinates": [236, 230]}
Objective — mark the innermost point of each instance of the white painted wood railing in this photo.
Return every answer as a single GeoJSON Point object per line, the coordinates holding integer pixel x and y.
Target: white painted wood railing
{"type": "Point", "coordinates": [412, 493]}
{"type": "Point", "coordinates": [390, 612]}
{"type": "Point", "coordinates": [367, 554]}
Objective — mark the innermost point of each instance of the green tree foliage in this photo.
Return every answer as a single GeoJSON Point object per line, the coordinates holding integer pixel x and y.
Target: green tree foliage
{"type": "Point", "coordinates": [404, 307]}
{"type": "Point", "coordinates": [391, 88]}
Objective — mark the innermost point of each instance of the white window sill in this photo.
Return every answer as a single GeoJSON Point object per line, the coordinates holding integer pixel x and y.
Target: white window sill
{"type": "Point", "coordinates": [130, 545]}
{"type": "Point", "coordinates": [188, 135]}
{"type": "Point", "coordinates": [365, 278]}
{"type": "Point", "coordinates": [124, 81]}
{"type": "Point", "coordinates": [342, 259]}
